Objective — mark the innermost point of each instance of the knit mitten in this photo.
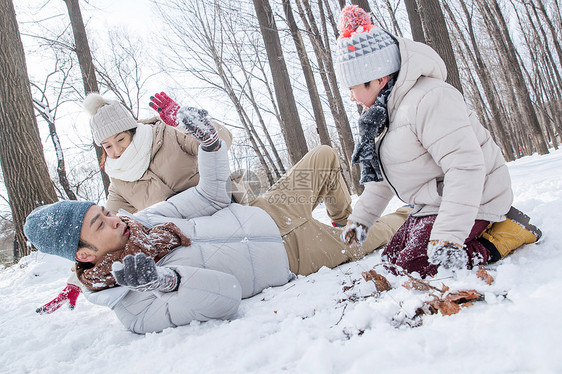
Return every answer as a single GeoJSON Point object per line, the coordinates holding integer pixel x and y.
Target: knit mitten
{"type": "Point", "coordinates": [166, 108]}
{"type": "Point", "coordinates": [354, 232]}
{"type": "Point", "coordinates": [68, 295]}
{"type": "Point", "coordinates": [447, 254]}
{"type": "Point", "coordinates": [140, 273]}
{"type": "Point", "coordinates": [197, 123]}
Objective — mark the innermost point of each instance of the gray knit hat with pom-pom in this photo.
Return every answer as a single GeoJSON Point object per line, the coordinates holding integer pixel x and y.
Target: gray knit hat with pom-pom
{"type": "Point", "coordinates": [364, 52]}
{"type": "Point", "coordinates": [108, 117]}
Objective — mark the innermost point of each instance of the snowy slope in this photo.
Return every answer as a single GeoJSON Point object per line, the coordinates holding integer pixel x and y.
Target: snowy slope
{"type": "Point", "coordinates": [311, 325]}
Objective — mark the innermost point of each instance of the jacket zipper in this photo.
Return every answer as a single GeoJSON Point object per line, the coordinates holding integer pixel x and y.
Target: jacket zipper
{"type": "Point", "coordinates": [238, 239]}
{"type": "Point", "coordinates": [382, 168]}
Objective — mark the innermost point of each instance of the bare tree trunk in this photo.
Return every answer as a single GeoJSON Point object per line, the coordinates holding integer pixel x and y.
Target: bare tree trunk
{"type": "Point", "coordinates": [485, 78]}
{"type": "Point", "coordinates": [395, 24]}
{"type": "Point", "coordinates": [291, 125]}
{"type": "Point", "coordinates": [437, 36]}
{"type": "Point", "coordinates": [550, 25]}
{"type": "Point", "coordinates": [415, 20]}
{"type": "Point", "coordinates": [23, 163]}
{"type": "Point", "coordinates": [499, 31]}
{"type": "Point", "coordinates": [46, 113]}
{"type": "Point", "coordinates": [86, 67]}
{"type": "Point", "coordinates": [209, 34]}
{"type": "Point", "coordinates": [363, 4]}
{"type": "Point", "coordinates": [321, 126]}
{"type": "Point", "coordinates": [248, 92]}
{"type": "Point", "coordinates": [544, 46]}
{"type": "Point", "coordinates": [543, 67]}
{"type": "Point", "coordinates": [244, 118]}
{"type": "Point", "coordinates": [327, 74]}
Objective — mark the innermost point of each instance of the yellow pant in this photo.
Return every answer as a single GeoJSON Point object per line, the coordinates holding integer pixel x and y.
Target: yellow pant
{"type": "Point", "coordinates": [309, 243]}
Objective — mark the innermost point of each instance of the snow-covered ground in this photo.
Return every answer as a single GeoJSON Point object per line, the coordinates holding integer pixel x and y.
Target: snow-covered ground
{"type": "Point", "coordinates": [311, 325]}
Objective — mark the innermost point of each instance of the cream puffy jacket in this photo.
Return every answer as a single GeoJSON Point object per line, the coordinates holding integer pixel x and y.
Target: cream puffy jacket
{"type": "Point", "coordinates": [435, 154]}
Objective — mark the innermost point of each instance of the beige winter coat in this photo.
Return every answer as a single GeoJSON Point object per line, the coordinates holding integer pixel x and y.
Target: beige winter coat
{"type": "Point", "coordinates": [435, 154]}
{"type": "Point", "coordinates": [172, 169]}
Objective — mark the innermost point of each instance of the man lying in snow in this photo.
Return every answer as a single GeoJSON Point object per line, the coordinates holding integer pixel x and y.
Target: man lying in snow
{"type": "Point", "coordinates": [196, 255]}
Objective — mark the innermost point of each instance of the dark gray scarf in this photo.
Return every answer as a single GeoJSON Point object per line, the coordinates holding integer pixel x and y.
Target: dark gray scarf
{"type": "Point", "coordinates": [372, 123]}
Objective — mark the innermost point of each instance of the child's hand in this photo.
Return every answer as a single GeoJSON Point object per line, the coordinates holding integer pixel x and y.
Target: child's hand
{"type": "Point", "coordinates": [447, 254]}
{"type": "Point", "coordinates": [166, 108]}
{"type": "Point", "coordinates": [354, 232]}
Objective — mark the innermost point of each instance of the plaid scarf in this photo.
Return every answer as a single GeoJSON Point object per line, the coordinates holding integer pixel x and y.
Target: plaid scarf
{"type": "Point", "coordinates": [372, 123]}
{"type": "Point", "coordinates": [155, 242]}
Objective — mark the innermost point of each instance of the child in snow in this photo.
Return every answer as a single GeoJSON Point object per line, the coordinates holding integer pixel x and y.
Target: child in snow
{"type": "Point", "coordinates": [420, 142]}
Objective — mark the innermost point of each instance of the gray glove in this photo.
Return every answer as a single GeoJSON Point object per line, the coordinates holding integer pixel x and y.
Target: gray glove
{"type": "Point", "coordinates": [447, 254]}
{"type": "Point", "coordinates": [140, 273]}
{"type": "Point", "coordinates": [198, 124]}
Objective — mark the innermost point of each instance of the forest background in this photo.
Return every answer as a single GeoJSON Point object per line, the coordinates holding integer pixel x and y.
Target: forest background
{"type": "Point", "coordinates": [264, 68]}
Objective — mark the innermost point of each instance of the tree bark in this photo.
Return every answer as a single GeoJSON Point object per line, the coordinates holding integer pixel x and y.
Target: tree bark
{"type": "Point", "coordinates": [291, 124]}
{"type": "Point", "coordinates": [437, 36]}
{"type": "Point", "coordinates": [550, 25]}
{"type": "Point", "coordinates": [395, 25]}
{"type": "Point", "coordinates": [498, 121]}
{"type": "Point", "coordinates": [248, 92]}
{"type": "Point", "coordinates": [321, 126]}
{"type": "Point", "coordinates": [86, 67]}
{"type": "Point", "coordinates": [23, 163]}
{"type": "Point", "coordinates": [544, 68]}
{"type": "Point", "coordinates": [499, 31]}
{"type": "Point", "coordinates": [415, 20]}
{"type": "Point", "coordinates": [363, 4]}
{"type": "Point", "coordinates": [45, 112]}
{"type": "Point", "coordinates": [322, 51]}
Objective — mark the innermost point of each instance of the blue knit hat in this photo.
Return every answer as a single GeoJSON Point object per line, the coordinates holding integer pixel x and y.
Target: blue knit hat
{"type": "Point", "coordinates": [55, 228]}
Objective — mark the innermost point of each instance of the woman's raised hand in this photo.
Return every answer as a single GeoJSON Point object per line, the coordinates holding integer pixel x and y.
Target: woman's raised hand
{"type": "Point", "coordinates": [195, 121]}
{"type": "Point", "coordinates": [166, 108]}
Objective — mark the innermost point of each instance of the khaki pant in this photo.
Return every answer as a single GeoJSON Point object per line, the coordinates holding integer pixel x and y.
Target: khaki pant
{"type": "Point", "coordinates": [309, 243]}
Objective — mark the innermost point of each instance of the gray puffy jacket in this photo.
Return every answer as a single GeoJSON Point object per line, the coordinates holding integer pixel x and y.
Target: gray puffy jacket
{"type": "Point", "coordinates": [236, 252]}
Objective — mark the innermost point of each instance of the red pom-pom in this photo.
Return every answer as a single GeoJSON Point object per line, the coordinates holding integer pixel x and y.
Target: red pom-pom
{"type": "Point", "coordinates": [351, 18]}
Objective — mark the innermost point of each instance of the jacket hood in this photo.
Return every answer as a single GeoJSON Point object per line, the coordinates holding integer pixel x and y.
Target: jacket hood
{"type": "Point", "coordinates": [417, 60]}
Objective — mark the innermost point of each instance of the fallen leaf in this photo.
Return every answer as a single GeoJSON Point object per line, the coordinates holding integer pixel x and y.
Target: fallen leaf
{"type": "Point", "coordinates": [483, 274]}
{"type": "Point", "coordinates": [413, 284]}
{"type": "Point", "coordinates": [446, 308]}
{"type": "Point", "coordinates": [380, 282]}
{"type": "Point", "coordinates": [463, 296]}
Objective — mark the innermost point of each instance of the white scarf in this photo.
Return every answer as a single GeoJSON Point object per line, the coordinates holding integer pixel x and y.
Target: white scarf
{"type": "Point", "coordinates": [135, 160]}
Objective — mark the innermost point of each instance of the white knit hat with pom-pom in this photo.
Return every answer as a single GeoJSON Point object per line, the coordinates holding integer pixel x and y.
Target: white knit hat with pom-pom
{"type": "Point", "coordinates": [108, 117]}
{"type": "Point", "coordinates": [364, 51]}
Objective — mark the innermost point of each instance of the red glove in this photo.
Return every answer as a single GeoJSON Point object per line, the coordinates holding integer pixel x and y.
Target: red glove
{"type": "Point", "coordinates": [70, 294]}
{"type": "Point", "coordinates": [166, 108]}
